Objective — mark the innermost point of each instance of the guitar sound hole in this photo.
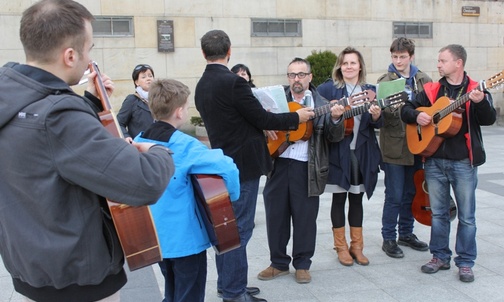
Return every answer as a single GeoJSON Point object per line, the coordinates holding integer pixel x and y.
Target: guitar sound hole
{"type": "Point", "coordinates": [435, 118]}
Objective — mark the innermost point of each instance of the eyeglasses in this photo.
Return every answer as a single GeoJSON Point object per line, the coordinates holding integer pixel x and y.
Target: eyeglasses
{"type": "Point", "coordinates": [140, 66]}
{"type": "Point", "coordinates": [400, 57]}
{"type": "Point", "coordinates": [301, 75]}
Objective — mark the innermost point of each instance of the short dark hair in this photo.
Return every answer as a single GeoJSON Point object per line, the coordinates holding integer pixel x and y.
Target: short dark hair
{"type": "Point", "coordinates": [337, 75]}
{"type": "Point", "coordinates": [301, 60]}
{"type": "Point", "coordinates": [50, 24]}
{"type": "Point", "coordinates": [138, 70]}
{"type": "Point", "coordinates": [458, 51]}
{"type": "Point", "coordinates": [403, 44]}
{"type": "Point", "coordinates": [215, 44]}
{"type": "Point", "coordinates": [165, 96]}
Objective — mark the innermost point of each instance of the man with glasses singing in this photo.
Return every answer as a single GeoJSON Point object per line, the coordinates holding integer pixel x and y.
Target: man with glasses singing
{"type": "Point", "coordinates": [299, 175]}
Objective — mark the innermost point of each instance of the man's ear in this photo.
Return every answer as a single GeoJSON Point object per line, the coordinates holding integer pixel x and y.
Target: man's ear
{"type": "Point", "coordinates": [69, 57]}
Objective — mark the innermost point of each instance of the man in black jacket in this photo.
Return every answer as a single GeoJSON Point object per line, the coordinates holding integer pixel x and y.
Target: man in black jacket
{"type": "Point", "coordinates": [235, 121]}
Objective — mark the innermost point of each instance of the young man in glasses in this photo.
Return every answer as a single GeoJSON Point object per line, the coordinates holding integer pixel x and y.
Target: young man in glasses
{"type": "Point", "coordinates": [291, 193]}
{"type": "Point", "coordinates": [399, 164]}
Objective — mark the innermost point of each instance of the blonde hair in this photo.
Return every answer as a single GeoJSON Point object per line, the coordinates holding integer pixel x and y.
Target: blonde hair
{"type": "Point", "coordinates": [337, 75]}
{"type": "Point", "coordinates": [165, 96]}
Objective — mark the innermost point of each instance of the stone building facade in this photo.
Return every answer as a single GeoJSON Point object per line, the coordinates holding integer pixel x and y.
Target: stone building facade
{"type": "Point", "coordinates": [331, 25]}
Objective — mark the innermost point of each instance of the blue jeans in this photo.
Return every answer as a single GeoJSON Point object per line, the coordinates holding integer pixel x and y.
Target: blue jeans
{"type": "Point", "coordinates": [232, 267]}
{"type": "Point", "coordinates": [463, 178]}
{"type": "Point", "coordinates": [185, 278]}
{"type": "Point", "coordinates": [399, 193]}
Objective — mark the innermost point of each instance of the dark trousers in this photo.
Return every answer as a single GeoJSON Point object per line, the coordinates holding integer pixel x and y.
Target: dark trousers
{"type": "Point", "coordinates": [232, 266]}
{"type": "Point", "coordinates": [285, 200]}
{"type": "Point", "coordinates": [185, 278]}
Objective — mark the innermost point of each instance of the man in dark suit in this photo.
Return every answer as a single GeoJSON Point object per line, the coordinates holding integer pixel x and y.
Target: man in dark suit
{"type": "Point", "coordinates": [235, 121]}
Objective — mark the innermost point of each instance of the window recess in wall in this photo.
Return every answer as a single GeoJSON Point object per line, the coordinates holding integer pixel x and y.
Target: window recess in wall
{"type": "Point", "coordinates": [421, 30]}
{"type": "Point", "coordinates": [276, 28]}
{"type": "Point", "coordinates": [104, 26]}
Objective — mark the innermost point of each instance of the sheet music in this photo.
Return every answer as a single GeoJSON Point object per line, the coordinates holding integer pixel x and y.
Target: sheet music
{"type": "Point", "coordinates": [272, 98]}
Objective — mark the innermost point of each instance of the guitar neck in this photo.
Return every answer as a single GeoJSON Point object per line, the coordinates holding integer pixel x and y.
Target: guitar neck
{"type": "Point", "coordinates": [327, 108]}
{"type": "Point", "coordinates": [458, 102]}
{"type": "Point", "coordinates": [493, 82]}
{"type": "Point", "coordinates": [100, 87]}
{"type": "Point", "coordinates": [391, 100]}
{"type": "Point", "coordinates": [354, 111]}
{"type": "Point", "coordinates": [107, 116]}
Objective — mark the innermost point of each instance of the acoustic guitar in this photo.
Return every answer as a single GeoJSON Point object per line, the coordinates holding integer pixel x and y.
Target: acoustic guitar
{"type": "Point", "coordinates": [134, 225]}
{"type": "Point", "coordinates": [425, 140]}
{"type": "Point", "coordinates": [420, 207]}
{"type": "Point", "coordinates": [305, 130]}
{"type": "Point", "coordinates": [217, 212]}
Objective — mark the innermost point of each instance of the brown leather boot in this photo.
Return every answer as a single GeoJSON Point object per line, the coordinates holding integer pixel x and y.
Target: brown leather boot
{"type": "Point", "coordinates": [341, 246]}
{"type": "Point", "coordinates": [356, 246]}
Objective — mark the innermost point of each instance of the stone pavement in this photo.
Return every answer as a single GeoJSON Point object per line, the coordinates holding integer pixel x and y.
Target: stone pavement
{"type": "Point", "coordinates": [385, 279]}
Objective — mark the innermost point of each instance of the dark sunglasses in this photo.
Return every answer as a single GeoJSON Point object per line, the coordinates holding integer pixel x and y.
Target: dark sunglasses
{"type": "Point", "coordinates": [141, 66]}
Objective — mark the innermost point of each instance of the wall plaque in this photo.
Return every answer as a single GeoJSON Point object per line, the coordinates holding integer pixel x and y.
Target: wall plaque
{"type": "Point", "coordinates": [166, 41]}
{"type": "Point", "coordinates": [472, 11]}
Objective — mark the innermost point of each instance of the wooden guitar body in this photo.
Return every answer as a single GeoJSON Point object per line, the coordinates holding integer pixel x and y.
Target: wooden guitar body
{"type": "Point", "coordinates": [349, 125]}
{"type": "Point", "coordinates": [285, 138]}
{"type": "Point", "coordinates": [425, 140]}
{"type": "Point", "coordinates": [420, 207]}
{"type": "Point", "coordinates": [217, 212]}
{"type": "Point", "coordinates": [134, 225]}
{"type": "Point", "coordinates": [137, 234]}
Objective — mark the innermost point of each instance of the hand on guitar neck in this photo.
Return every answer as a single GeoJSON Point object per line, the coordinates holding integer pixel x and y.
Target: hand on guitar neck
{"type": "Point", "coordinates": [305, 114]}
{"type": "Point", "coordinates": [476, 96]}
{"type": "Point", "coordinates": [337, 111]}
{"type": "Point", "coordinates": [93, 77]}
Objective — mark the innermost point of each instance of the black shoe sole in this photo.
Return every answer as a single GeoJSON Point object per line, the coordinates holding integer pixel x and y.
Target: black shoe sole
{"type": "Point", "coordinates": [393, 255]}
{"type": "Point", "coordinates": [421, 249]}
{"type": "Point", "coordinates": [250, 291]}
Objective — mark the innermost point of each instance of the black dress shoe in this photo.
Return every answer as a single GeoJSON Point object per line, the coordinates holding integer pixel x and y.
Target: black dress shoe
{"type": "Point", "coordinates": [250, 290]}
{"type": "Point", "coordinates": [245, 298]}
{"type": "Point", "coordinates": [413, 242]}
{"type": "Point", "coordinates": [391, 249]}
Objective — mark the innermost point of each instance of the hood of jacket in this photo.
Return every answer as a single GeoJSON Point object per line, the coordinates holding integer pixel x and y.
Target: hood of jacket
{"type": "Point", "coordinates": [20, 88]}
{"type": "Point", "coordinates": [413, 71]}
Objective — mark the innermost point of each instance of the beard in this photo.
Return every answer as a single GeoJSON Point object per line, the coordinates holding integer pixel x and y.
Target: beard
{"type": "Point", "coordinates": [297, 87]}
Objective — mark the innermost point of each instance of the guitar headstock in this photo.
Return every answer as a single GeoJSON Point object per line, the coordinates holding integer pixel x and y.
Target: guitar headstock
{"type": "Point", "coordinates": [393, 100]}
{"type": "Point", "coordinates": [361, 98]}
{"type": "Point", "coordinates": [493, 82]}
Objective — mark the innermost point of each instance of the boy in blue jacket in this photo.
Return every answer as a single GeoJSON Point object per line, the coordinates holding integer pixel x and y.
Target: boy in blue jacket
{"type": "Point", "coordinates": [180, 228]}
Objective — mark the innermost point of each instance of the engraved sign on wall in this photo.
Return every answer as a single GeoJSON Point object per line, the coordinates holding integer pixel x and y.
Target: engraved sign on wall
{"type": "Point", "coordinates": [471, 11]}
{"type": "Point", "coordinates": [166, 41]}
